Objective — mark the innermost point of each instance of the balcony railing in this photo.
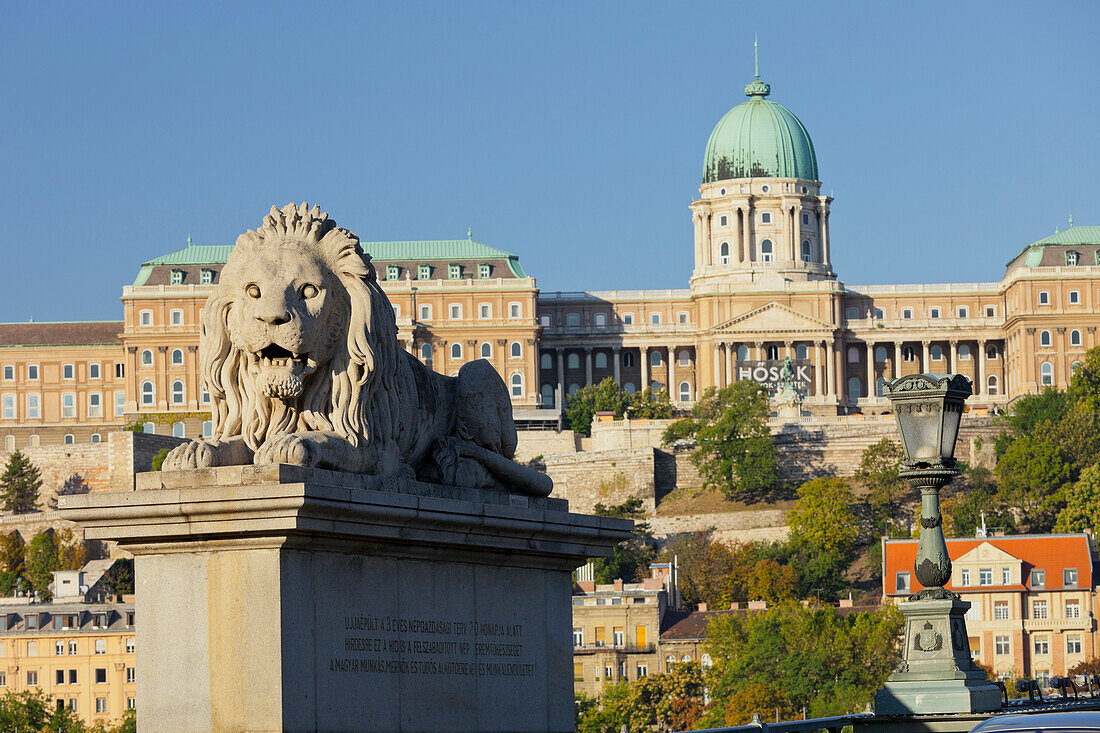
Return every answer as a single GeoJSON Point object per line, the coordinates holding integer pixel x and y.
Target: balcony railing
{"type": "Point", "coordinates": [624, 648]}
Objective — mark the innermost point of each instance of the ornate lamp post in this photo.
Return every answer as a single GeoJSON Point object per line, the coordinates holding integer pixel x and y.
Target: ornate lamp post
{"type": "Point", "coordinates": [937, 673]}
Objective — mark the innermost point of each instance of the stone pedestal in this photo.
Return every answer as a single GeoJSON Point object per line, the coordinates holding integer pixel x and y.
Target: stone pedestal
{"type": "Point", "coordinates": [277, 598]}
{"type": "Point", "coordinates": [937, 674]}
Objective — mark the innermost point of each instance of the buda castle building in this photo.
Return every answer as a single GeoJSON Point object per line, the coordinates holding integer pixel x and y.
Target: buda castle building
{"type": "Point", "coordinates": [763, 289]}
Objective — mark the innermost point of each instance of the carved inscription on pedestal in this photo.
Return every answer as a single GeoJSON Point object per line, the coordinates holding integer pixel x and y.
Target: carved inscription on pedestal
{"type": "Point", "coordinates": [396, 645]}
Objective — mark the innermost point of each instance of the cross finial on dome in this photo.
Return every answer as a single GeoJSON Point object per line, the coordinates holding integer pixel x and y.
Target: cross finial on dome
{"type": "Point", "coordinates": [757, 88]}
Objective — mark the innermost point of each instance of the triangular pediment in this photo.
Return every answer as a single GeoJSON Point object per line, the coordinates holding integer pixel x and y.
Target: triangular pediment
{"type": "Point", "coordinates": [773, 318]}
{"type": "Point", "coordinates": [987, 553]}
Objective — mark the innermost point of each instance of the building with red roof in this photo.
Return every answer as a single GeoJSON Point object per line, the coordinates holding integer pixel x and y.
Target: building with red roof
{"type": "Point", "coordinates": [1031, 595]}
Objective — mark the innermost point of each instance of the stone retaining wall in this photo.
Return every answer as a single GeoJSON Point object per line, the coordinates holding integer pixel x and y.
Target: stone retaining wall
{"type": "Point", "coordinates": [603, 477]}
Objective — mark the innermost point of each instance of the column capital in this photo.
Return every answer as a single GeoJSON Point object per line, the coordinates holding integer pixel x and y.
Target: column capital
{"type": "Point", "coordinates": [588, 349]}
{"type": "Point", "coordinates": [788, 344]}
{"type": "Point", "coordinates": [616, 349]}
{"type": "Point", "coordinates": [560, 349]}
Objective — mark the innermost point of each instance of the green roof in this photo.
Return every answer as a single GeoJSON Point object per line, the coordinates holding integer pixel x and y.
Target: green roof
{"type": "Point", "coordinates": [1079, 236]}
{"type": "Point", "coordinates": [759, 139]}
{"type": "Point", "coordinates": [400, 251]}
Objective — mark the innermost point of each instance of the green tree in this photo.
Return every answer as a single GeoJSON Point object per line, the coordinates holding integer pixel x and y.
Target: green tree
{"type": "Point", "coordinates": [12, 549]}
{"type": "Point", "coordinates": [19, 484]}
{"type": "Point", "coordinates": [791, 657]}
{"type": "Point", "coordinates": [71, 553]}
{"type": "Point", "coordinates": [1084, 386]}
{"type": "Point", "coordinates": [606, 396]}
{"type": "Point", "coordinates": [120, 577]}
{"type": "Point", "coordinates": [975, 498]}
{"type": "Point", "coordinates": [158, 459]}
{"type": "Point", "coordinates": [629, 561]}
{"type": "Point", "coordinates": [824, 532]}
{"type": "Point", "coordinates": [651, 404]}
{"type": "Point", "coordinates": [1034, 474]}
{"type": "Point", "coordinates": [1082, 510]}
{"type": "Point", "coordinates": [879, 472]}
{"type": "Point", "coordinates": [42, 561]}
{"type": "Point", "coordinates": [705, 568]}
{"type": "Point", "coordinates": [736, 452]}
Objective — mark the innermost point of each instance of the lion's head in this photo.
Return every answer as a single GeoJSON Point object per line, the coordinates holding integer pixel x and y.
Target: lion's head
{"type": "Point", "coordinates": [298, 335]}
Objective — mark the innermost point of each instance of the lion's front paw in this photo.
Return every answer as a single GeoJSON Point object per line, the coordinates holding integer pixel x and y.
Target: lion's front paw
{"type": "Point", "coordinates": [291, 448]}
{"type": "Point", "coordinates": [195, 454]}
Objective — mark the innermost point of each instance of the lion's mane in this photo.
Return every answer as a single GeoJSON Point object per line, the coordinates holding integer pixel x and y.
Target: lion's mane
{"type": "Point", "coordinates": [354, 394]}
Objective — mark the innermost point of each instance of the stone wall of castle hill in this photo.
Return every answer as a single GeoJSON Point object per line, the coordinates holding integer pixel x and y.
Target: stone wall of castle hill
{"type": "Point", "coordinates": [93, 467]}
{"type": "Point", "coordinates": [728, 527]}
{"type": "Point", "coordinates": [534, 443]}
{"type": "Point", "coordinates": [604, 477]}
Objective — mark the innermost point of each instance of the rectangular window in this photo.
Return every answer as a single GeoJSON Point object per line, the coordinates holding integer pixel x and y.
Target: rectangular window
{"type": "Point", "coordinates": [9, 373]}
{"type": "Point", "coordinates": [1042, 645]}
{"type": "Point", "coordinates": [391, 272]}
{"type": "Point", "coordinates": [990, 311]}
{"type": "Point", "coordinates": [100, 646]}
{"type": "Point", "coordinates": [578, 671]}
{"type": "Point", "coordinates": [456, 311]}
{"type": "Point", "coordinates": [1044, 297]}
{"type": "Point", "coordinates": [1073, 645]}
{"type": "Point", "coordinates": [1069, 577]}
{"type": "Point", "coordinates": [901, 582]}
{"type": "Point", "coordinates": [628, 319]}
{"type": "Point", "coordinates": [101, 675]}
{"type": "Point", "coordinates": [1002, 645]}
{"type": "Point", "coordinates": [578, 637]}
{"type": "Point", "coordinates": [120, 370]}
{"type": "Point", "coordinates": [655, 319]}
{"type": "Point", "coordinates": [59, 677]}
{"type": "Point", "coordinates": [483, 271]}
{"type": "Point", "coordinates": [425, 313]}
{"type": "Point", "coordinates": [1039, 609]}
{"type": "Point", "coordinates": [1006, 576]}
{"type": "Point", "coordinates": [423, 272]}
{"type": "Point", "coordinates": [484, 311]}
{"type": "Point", "coordinates": [607, 671]}
{"type": "Point", "coordinates": [641, 637]}
{"type": "Point", "coordinates": [130, 676]}
{"type": "Point", "coordinates": [120, 403]}
{"type": "Point", "coordinates": [177, 277]}
{"type": "Point", "coordinates": [964, 576]}
{"type": "Point", "coordinates": [206, 277]}
{"type": "Point", "coordinates": [765, 218]}
{"type": "Point", "coordinates": [934, 312]}
{"type": "Point", "coordinates": [32, 678]}
{"type": "Point", "coordinates": [805, 218]}
{"type": "Point", "coordinates": [1000, 610]}
{"type": "Point", "coordinates": [851, 313]}
{"type": "Point", "coordinates": [95, 405]}
{"type": "Point", "coordinates": [68, 405]}
{"type": "Point", "coordinates": [101, 704]}
{"type": "Point", "coordinates": [1074, 297]}
{"type": "Point", "coordinates": [32, 623]}
{"type": "Point", "coordinates": [906, 313]}
{"type": "Point", "coordinates": [454, 272]}
{"type": "Point", "coordinates": [3, 679]}
{"type": "Point", "coordinates": [963, 311]}
{"type": "Point", "coordinates": [1038, 578]}
{"type": "Point", "coordinates": [514, 310]}
{"type": "Point", "coordinates": [131, 703]}
{"type": "Point", "coordinates": [72, 676]}
{"type": "Point", "coordinates": [8, 411]}
{"type": "Point", "coordinates": [67, 371]}
{"type": "Point", "coordinates": [1073, 609]}
{"type": "Point", "coordinates": [643, 670]}
{"type": "Point", "coordinates": [32, 372]}
{"type": "Point", "coordinates": [59, 645]}
{"type": "Point", "coordinates": [985, 576]}
{"type": "Point", "coordinates": [1071, 258]}
{"type": "Point", "coordinates": [72, 647]}
{"type": "Point", "coordinates": [617, 636]}
{"type": "Point", "coordinates": [93, 371]}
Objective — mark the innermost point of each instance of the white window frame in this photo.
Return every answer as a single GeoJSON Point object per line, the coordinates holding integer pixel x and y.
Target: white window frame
{"type": "Point", "coordinates": [454, 272]}
{"type": "Point", "coordinates": [934, 312]}
{"type": "Point", "coordinates": [68, 411]}
{"type": "Point", "coordinates": [174, 362]}
{"type": "Point", "coordinates": [485, 311]}
{"type": "Point", "coordinates": [1074, 297]}
{"type": "Point", "coordinates": [515, 310]}
{"type": "Point", "coordinates": [144, 361]}
{"type": "Point", "coordinates": [7, 411]}
{"type": "Point", "coordinates": [454, 311]}
{"type": "Point", "coordinates": [68, 372]}
{"type": "Point", "coordinates": [483, 271]}
{"type": "Point", "coordinates": [206, 276]}
{"type": "Point", "coordinates": [425, 312]}
{"type": "Point", "coordinates": [515, 350]}
{"type": "Point", "coordinates": [178, 396]}
{"type": "Point", "coordinates": [1044, 297]}
{"type": "Point", "coordinates": [32, 372]}
{"type": "Point", "coordinates": [148, 396]}
{"type": "Point", "coordinates": [906, 314]}
{"type": "Point", "coordinates": [423, 272]}
{"type": "Point", "coordinates": [962, 312]}
{"type": "Point", "coordinates": [120, 404]}
{"type": "Point", "coordinates": [34, 406]}
{"type": "Point", "coordinates": [95, 404]}
{"type": "Point", "coordinates": [655, 319]}
{"type": "Point", "coordinates": [515, 383]}
{"type": "Point", "coordinates": [145, 318]}
{"type": "Point", "coordinates": [486, 350]}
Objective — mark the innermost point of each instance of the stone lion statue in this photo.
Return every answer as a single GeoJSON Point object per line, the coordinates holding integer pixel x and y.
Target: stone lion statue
{"type": "Point", "coordinates": [298, 350]}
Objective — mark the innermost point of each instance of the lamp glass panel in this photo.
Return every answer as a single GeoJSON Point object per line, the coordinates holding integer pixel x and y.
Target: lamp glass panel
{"type": "Point", "coordinates": [921, 430]}
{"type": "Point", "coordinates": [951, 418]}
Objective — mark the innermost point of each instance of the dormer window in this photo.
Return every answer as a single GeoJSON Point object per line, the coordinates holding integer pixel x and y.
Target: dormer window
{"type": "Point", "coordinates": [206, 276]}
{"type": "Point", "coordinates": [423, 272]}
{"type": "Point", "coordinates": [392, 272]}
{"type": "Point", "coordinates": [99, 620]}
{"type": "Point", "coordinates": [483, 270]}
{"type": "Point", "coordinates": [177, 277]}
{"type": "Point", "coordinates": [454, 272]}
{"type": "Point", "coordinates": [1072, 258]}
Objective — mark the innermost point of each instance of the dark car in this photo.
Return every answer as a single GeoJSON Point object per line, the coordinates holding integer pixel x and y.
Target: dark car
{"type": "Point", "coordinates": [1067, 722]}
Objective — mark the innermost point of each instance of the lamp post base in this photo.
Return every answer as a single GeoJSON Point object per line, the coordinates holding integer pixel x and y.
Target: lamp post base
{"type": "Point", "coordinates": [937, 674]}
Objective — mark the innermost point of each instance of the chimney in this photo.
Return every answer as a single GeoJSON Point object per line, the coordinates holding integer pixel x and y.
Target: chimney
{"type": "Point", "coordinates": [618, 584]}
{"type": "Point", "coordinates": [702, 606]}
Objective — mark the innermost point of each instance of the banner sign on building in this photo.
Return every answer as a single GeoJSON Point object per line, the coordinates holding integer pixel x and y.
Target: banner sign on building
{"type": "Point", "coordinates": [767, 373]}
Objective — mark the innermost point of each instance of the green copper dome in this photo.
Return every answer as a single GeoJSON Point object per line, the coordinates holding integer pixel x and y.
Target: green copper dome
{"type": "Point", "coordinates": [759, 139]}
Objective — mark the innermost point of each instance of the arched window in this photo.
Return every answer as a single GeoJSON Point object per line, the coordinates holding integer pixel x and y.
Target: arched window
{"type": "Point", "coordinates": [178, 430]}
{"type": "Point", "coordinates": [629, 388]}
{"type": "Point", "coordinates": [517, 385]}
{"type": "Point", "coordinates": [147, 357]}
{"type": "Point", "coordinates": [574, 388]}
{"type": "Point", "coordinates": [1074, 367]}
{"type": "Point", "coordinates": [1075, 337]}
{"type": "Point", "coordinates": [853, 355]}
{"type": "Point", "coordinates": [544, 321]}
{"type": "Point", "coordinates": [880, 354]}
{"type": "Point", "coordinates": [908, 353]}
{"type": "Point", "coordinates": [655, 359]}
{"type": "Point", "coordinates": [573, 361]}
{"type": "Point", "coordinates": [766, 251]}
{"type": "Point", "coordinates": [572, 319]}
{"type": "Point", "coordinates": [807, 252]}
{"type": "Point", "coordinates": [547, 395]}
{"type": "Point", "coordinates": [207, 428]}
{"type": "Point", "coordinates": [854, 391]}
{"type": "Point", "coordinates": [878, 314]}
{"type": "Point", "coordinates": [991, 385]}
{"type": "Point", "coordinates": [147, 394]}
{"type": "Point", "coordinates": [546, 362]}
{"type": "Point", "coordinates": [1044, 338]}
{"type": "Point", "coordinates": [601, 319]}
{"type": "Point", "coordinates": [516, 350]}
{"type": "Point", "coordinates": [425, 352]}
{"type": "Point", "coordinates": [724, 253]}
{"type": "Point", "coordinates": [742, 353]}
{"type": "Point", "coordinates": [456, 351]}
{"type": "Point", "coordinates": [801, 352]}
{"type": "Point", "coordinates": [685, 392]}
{"type": "Point", "coordinates": [34, 441]}
{"type": "Point", "coordinates": [773, 351]}
{"type": "Point", "coordinates": [937, 353]}
{"type": "Point", "coordinates": [177, 357]}
{"type": "Point", "coordinates": [486, 350]}
{"type": "Point", "coordinates": [964, 353]}
{"type": "Point", "coordinates": [628, 358]}
{"type": "Point", "coordinates": [683, 358]}
{"type": "Point", "coordinates": [1047, 372]}
{"type": "Point", "coordinates": [9, 443]}
{"type": "Point", "coordinates": [177, 392]}
{"type": "Point", "coordinates": [878, 386]}
{"type": "Point", "coordinates": [601, 360]}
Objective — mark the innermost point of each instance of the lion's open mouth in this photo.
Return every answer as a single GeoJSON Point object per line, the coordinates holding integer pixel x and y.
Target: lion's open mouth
{"type": "Point", "coordinates": [275, 355]}
{"type": "Point", "coordinates": [280, 372]}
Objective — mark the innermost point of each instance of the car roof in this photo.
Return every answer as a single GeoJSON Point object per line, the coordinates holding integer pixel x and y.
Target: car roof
{"type": "Point", "coordinates": [1084, 720]}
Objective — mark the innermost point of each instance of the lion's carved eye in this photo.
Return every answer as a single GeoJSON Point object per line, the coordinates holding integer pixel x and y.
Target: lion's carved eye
{"type": "Point", "coordinates": [253, 291]}
{"type": "Point", "coordinates": [309, 291]}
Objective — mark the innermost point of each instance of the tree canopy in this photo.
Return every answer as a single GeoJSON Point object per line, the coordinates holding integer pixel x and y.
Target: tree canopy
{"type": "Point", "coordinates": [736, 452]}
{"type": "Point", "coordinates": [19, 484]}
{"type": "Point", "coordinates": [879, 472]}
{"type": "Point", "coordinates": [607, 396]}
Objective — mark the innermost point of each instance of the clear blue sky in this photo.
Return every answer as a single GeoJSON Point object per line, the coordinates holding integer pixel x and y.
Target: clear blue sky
{"type": "Point", "coordinates": [572, 134]}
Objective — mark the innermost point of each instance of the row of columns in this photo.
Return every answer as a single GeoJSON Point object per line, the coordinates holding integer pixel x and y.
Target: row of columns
{"type": "Point", "coordinates": [643, 364]}
{"type": "Point", "coordinates": [745, 240]}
